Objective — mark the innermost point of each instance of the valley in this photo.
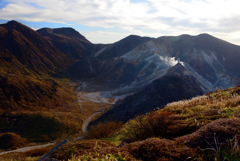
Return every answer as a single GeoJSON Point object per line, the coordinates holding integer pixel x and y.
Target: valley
{"type": "Point", "coordinates": [55, 85]}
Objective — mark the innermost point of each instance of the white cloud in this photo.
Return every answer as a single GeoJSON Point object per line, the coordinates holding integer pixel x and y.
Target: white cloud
{"type": "Point", "coordinates": [104, 36]}
{"type": "Point", "coordinates": [164, 17]}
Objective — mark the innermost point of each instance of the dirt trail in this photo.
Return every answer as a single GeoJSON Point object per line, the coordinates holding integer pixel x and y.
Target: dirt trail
{"type": "Point", "coordinates": [88, 120]}
{"type": "Point", "coordinates": [25, 149]}
{"type": "Point", "coordinates": [96, 97]}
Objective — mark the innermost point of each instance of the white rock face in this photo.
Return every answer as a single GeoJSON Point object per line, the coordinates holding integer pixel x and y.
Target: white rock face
{"type": "Point", "coordinates": [155, 57]}
{"type": "Point", "coordinates": [158, 60]}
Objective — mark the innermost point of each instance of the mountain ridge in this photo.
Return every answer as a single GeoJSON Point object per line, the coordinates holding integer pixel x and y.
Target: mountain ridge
{"type": "Point", "coordinates": [30, 48]}
{"type": "Point", "coordinates": [140, 73]}
{"type": "Point", "coordinates": [68, 41]}
{"type": "Point", "coordinates": [175, 85]}
{"type": "Point", "coordinates": [67, 31]}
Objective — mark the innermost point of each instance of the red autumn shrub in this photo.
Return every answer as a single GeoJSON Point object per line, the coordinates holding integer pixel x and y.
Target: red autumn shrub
{"type": "Point", "coordinates": [102, 130]}
{"type": "Point", "coordinates": [220, 130]}
{"type": "Point", "coordinates": [151, 125]}
{"type": "Point", "coordinates": [154, 149]}
{"type": "Point", "coordinates": [11, 141]}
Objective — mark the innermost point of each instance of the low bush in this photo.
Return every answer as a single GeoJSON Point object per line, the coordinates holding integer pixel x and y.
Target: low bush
{"type": "Point", "coordinates": [218, 140]}
{"type": "Point", "coordinates": [102, 130]}
{"type": "Point", "coordinates": [143, 127]}
{"type": "Point", "coordinates": [107, 157]}
{"type": "Point", "coordinates": [167, 125]}
{"type": "Point", "coordinates": [222, 130]}
{"type": "Point", "coordinates": [154, 149]}
{"type": "Point", "coordinates": [150, 150]}
{"type": "Point", "coordinates": [93, 148]}
{"type": "Point", "coordinates": [10, 141]}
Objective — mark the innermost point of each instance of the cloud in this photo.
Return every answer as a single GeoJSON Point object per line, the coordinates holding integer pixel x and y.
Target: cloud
{"type": "Point", "coordinates": [104, 36]}
{"type": "Point", "coordinates": [163, 17]}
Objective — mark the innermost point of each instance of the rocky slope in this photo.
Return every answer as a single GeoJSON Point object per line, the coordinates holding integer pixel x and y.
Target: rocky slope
{"type": "Point", "coordinates": [206, 62]}
{"type": "Point", "coordinates": [176, 84]}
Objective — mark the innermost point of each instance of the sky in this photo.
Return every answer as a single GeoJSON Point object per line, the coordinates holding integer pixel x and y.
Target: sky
{"type": "Point", "coordinates": [108, 21]}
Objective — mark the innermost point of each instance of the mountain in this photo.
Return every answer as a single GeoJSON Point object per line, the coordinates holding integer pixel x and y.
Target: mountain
{"type": "Point", "coordinates": [106, 67]}
{"type": "Point", "coordinates": [177, 84]}
{"type": "Point", "coordinates": [21, 48]}
{"type": "Point", "coordinates": [201, 63]}
{"type": "Point", "coordinates": [122, 68]}
{"type": "Point", "coordinates": [121, 47]}
{"type": "Point", "coordinates": [139, 73]}
{"type": "Point", "coordinates": [34, 103]}
{"type": "Point", "coordinates": [208, 57]}
{"type": "Point", "coordinates": [26, 58]}
{"type": "Point", "coordinates": [128, 68]}
{"type": "Point", "coordinates": [68, 41]}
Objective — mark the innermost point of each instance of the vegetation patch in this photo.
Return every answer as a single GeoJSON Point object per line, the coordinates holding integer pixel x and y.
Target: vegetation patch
{"type": "Point", "coordinates": [32, 155]}
{"type": "Point", "coordinates": [11, 140]}
{"type": "Point", "coordinates": [103, 130]}
{"type": "Point", "coordinates": [220, 130]}
{"type": "Point", "coordinates": [36, 127]}
{"type": "Point", "coordinates": [203, 128]}
{"type": "Point", "coordinates": [93, 148]}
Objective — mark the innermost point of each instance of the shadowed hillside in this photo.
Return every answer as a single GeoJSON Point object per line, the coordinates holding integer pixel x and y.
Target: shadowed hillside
{"type": "Point", "coordinates": [27, 62]}
{"type": "Point", "coordinates": [174, 86]}
{"type": "Point", "coordinates": [68, 41]}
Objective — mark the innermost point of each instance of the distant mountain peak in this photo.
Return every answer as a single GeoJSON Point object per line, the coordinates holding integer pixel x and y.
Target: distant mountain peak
{"type": "Point", "coordinates": [66, 31]}
{"type": "Point", "coordinates": [15, 24]}
{"type": "Point", "coordinates": [177, 69]}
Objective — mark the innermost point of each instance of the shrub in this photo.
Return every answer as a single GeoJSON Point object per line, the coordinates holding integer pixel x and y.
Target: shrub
{"type": "Point", "coordinates": [38, 152]}
{"type": "Point", "coordinates": [151, 125]}
{"type": "Point", "coordinates": [160, 149]}
{"type": "Point", "coordinates": [102, 130]}
{"type": "Point", "coordinates": [107, 157]}
{"type": "Point", "coordinates": [150, 149]}
{"type": "Point", "coordinates": [222, 130]}
{"type": "Point", "coordinates": [93, 148]}
{"type": "Point", "coordinates": [11, 141]}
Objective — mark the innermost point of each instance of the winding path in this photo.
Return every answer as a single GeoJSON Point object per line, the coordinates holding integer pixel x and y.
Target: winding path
{"type": "Point", "coordinates": [25, 149]}
{"type": "Point", "coordinates": [87, 121]}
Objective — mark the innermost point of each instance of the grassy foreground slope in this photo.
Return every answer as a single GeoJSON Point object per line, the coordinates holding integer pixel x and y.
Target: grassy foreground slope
{"type": "Point", "coordinates": [203, 128]}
